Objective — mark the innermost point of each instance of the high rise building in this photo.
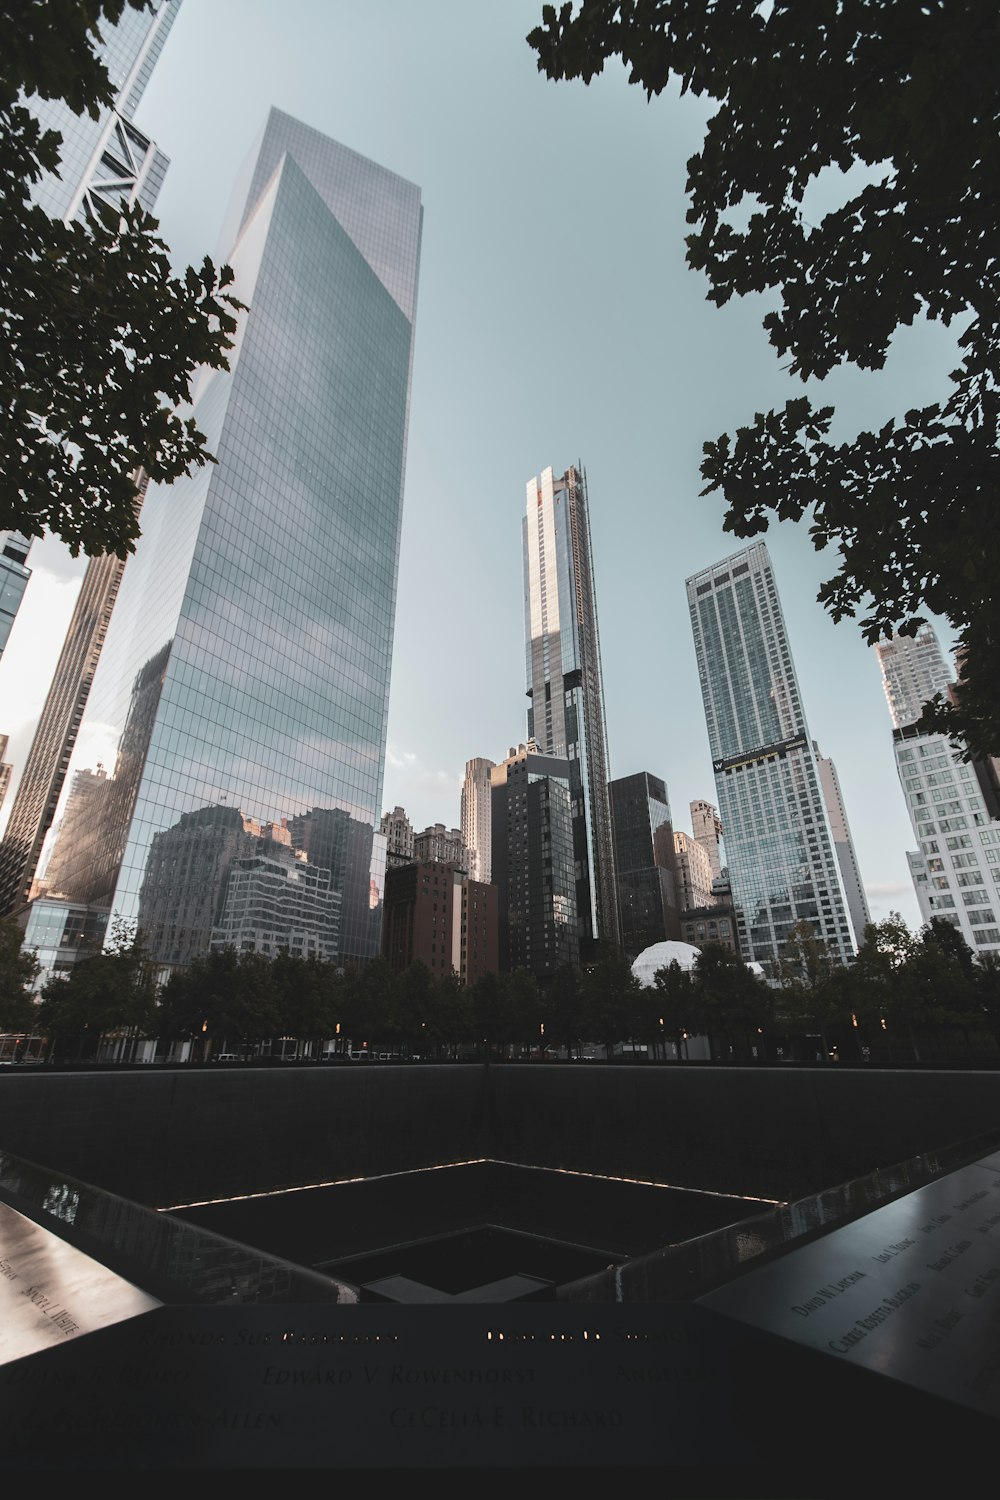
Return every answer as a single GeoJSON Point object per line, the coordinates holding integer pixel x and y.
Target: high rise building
{"type": "Point", "coordinates": [913, 671]}
{"type": "Point", "coordinates": [644, 861]}
{"type": "Point", "coordinates": [564, 683]}
{"type": "Point", "coordinates": [533, 865]}
{"type": "Point", "coordinates": [105, 160]}
{"type": "Point", "coordinates": [436, 915]}
{"type": "Point", "coordinates": [694, 872]}
{"type": "Point", "coordinates": [41, 782]}
{"type": "Point", "coordinates": [14, 575]}
{"type": "Point", "coordinates": [109, 159]}
{"type": "Point", "coordinates": [5, 768]}
{"type": "Point", "coordinates": [706, 828]}
{"type": "Point", "coordinates": [956, 866]}
{"type": "Point", "coordinates": [847, 859]}
{"type": "Point", "coordinates": [246, 667]}
{"type": "Point", "coordinates": [476, 817]}
{"type": "Point", "coordinates": [779, 847]}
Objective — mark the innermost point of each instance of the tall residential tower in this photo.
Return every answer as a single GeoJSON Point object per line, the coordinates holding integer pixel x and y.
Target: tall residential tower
{"type": "Point", "coordinates": [779, 847]}
{"type": "Point", "coordinates": [956, 867]}
{"type": "Point", "coordinates": [564, 683]}
{"type": "Point", "coordinates": [244, 682]}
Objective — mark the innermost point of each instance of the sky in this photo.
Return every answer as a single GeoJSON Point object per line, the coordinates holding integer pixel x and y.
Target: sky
{"type": "Point", "coordinates": [557, 323]}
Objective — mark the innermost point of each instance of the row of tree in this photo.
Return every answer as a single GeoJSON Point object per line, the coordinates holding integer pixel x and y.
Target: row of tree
{"type": "Point", "coordinates": [925, 996]}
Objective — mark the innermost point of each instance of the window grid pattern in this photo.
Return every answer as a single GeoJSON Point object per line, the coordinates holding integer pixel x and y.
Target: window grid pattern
{"type": "Point", "coordinates": [780, 852]}
{"type": "Point", "coordinates": [243, 690]}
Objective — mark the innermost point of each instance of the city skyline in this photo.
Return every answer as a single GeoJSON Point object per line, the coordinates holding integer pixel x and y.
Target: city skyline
{"type": "Point", "coordinates": [601, 345]}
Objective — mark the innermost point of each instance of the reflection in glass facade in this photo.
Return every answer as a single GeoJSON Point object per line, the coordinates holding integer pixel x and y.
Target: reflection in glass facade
{"type": "Point", "coordinates": [242, 694]}
{"type": "Point", "coordinates": [644, 861]}
{"type": "Point", "coordinates": [532, 862]}
{"type": "Point", "coordinates": [779, 849]}
{"type": "Point", "coordinates": [41, 783]}
{"type": "Point", "coordinates": [564, 682]}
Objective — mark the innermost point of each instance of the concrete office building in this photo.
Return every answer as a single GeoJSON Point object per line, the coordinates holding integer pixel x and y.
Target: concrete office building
{"type": "Point", "coordinates": [275, 641]}
{"type": "Point", "coordinates": [476, 817]}
{"type": "Point", "coordinates": [706, 828]}
{"type": "Point", "coordinates": [533, 866]}
{"type": "Point", "coordinates": [436, 915]}
{"type": "Point", "coordinates": [564, 682]}
{"type": "Point", "coordinates": [780, 852]}
{"type": "Point", "coordinates": [441, 845]}
{"type": "Point", "coordinates": [693, 872]}
{"type": "Point", "coordinates": [398, 833]}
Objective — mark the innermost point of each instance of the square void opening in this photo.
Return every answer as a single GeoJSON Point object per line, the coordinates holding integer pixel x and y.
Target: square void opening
{"type": "Point", "coordinates": [457, 1228]}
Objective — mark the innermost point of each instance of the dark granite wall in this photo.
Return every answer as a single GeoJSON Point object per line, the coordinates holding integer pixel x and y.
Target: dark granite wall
{"type": "Point", "coordinates": [167, 1137]}
{"type": "Point", "coordinates": [179, 1135]}
{"type": "Point", "coordinates": [780, 1132]}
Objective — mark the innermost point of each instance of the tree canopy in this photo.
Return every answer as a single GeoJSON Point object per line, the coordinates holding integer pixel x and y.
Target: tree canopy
{"type": "Point", "coordinates": [99, 341]}
{"type": "Point", "coordinates": [17, 970]}
{"type": "Point", "coordinates": [911, 93]}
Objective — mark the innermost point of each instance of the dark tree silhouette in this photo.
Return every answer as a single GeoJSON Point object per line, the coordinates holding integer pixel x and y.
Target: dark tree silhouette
{"type": "Point", "coordinates": [100, 340]}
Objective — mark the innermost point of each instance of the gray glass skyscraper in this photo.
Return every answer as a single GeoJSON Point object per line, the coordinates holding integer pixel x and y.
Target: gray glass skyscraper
{"type": "Point", "coordinates": [14, 576]}
{"type": "Point", "coordinates": [564, 682]}
{"type": "Point", "coordinates": [243, 689]}
{"type": "Point", "coordinates": [782, 865]}
{"type": "Point", "coordinates": [644, 861]}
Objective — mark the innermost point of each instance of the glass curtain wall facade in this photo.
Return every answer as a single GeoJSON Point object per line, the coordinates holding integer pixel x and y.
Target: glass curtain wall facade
{"type": "Point", "coordinates": [779, 848]}
{"type": "Point", "coordinates": [564, 682]}
{"type": "Point", "coordinates": [644, 861]}
{"type": "Point", "coordinates": [913, 672]}
{"type": "Point", "coordinates": [532, 841]}
{"type": "Point", "coordinates": [109, 159]}
{"type": "Point", "coordinates": [14, 576]}
{"type": "Point", "coordinates": [242, 694]}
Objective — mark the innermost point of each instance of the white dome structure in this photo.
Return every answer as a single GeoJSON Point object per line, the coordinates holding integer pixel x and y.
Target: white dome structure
{"type": "Point", "coordinates": [660, 956]}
